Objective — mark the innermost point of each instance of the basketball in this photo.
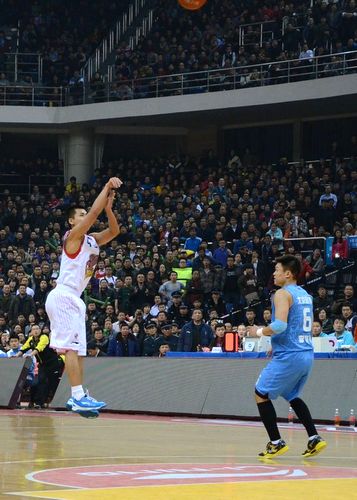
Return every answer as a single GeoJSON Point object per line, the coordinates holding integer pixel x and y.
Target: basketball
{"type": "Point", "coordinates": [192, 4]}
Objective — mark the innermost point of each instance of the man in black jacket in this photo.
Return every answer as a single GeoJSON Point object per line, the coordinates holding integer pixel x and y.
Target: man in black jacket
{"type": "Point", "coordinates": [195, 335]}
{"type": "Point", "coordinates": [5, 300]}
{"type": "Point", "coordinates": [94, 351]}
{"type": "Point", "coordinates": [21, 304]}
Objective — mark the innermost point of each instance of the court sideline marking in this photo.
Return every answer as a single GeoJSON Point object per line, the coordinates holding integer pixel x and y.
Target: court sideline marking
{"type": "Point", "coordinates": [41, 460]}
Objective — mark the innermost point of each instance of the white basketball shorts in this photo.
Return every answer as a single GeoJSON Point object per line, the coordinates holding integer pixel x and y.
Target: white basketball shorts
{"type": "Point", "coordinates": [66, 312]}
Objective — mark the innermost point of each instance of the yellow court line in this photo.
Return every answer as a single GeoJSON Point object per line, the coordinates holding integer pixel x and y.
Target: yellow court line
{"type": "Point", "coordinates": [321, 489]}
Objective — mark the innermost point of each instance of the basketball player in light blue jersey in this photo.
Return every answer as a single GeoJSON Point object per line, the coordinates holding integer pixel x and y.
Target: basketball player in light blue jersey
{"type": "Point", "coordinates": [292, 358]}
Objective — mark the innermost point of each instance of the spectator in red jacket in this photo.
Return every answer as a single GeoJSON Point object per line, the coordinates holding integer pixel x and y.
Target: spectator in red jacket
{"type": "Point", "coordinates": [339, 246]}
{"type": "Point", "coordinates": [306, 270]}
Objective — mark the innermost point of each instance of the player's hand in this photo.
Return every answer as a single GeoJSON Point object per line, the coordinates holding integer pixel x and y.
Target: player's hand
{"type": "Point", "coordinates": [110, 200]}
{"type": "Point", "coordinates": [252, 331]}
{"type": "Point", "coordinates": [114, 183]}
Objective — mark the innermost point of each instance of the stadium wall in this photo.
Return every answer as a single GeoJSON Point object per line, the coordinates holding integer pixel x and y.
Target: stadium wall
{"type": "Point", "coordinates": [199, 122]}
{"type": "Point", "coordinates": [12, 379]}
{"type": "Point", "coordinates": [202, 387]}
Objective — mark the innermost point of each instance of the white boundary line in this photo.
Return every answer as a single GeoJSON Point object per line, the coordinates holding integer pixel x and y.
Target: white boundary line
{"type": "Point", "coordinates": [202, 457]}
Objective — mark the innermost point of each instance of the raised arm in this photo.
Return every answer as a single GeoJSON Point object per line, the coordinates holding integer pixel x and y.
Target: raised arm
{"type": "Point", "coordinates": [113, 230]}
{"type": "Point", "coordinates": [87, 220]}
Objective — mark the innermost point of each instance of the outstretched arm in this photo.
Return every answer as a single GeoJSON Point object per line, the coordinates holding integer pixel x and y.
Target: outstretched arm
{"type": "Point", "coordinates": [76, 233]}
{"type": "Point", "coordinates": [113, 230]}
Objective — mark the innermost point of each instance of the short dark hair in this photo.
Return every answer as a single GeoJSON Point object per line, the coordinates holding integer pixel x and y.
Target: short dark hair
{"type": "Point", "coordinates": [347, 304]}
{"type": "Point", "coordinates": [340, 318]}
{"type": "Point", "coordinates": [71, 211]}
{"type": "Point", "coordinates": [290, 263]}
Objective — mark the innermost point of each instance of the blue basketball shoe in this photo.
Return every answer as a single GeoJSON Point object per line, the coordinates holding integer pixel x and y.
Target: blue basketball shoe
{"type": "Point", "coordinates": [98, 404]}
{"type": "Point", "coordinates": [85, 414]}
{"type": "Point", "coordinates": [69, 404]}
{"type": "Point", "coordinates": [87, 403]}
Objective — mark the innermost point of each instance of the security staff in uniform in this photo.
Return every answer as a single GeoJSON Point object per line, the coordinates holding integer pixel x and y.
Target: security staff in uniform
{"type": "Point", "coordinates": [173, 311]}
{"type": "Point", "coordinates": [167, 337]}
{"type": "Point", "coordinates": [150, 347]}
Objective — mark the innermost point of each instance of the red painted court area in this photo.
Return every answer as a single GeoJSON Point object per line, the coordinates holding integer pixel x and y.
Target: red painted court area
{"type": "Point", "coordinates": [115, 476]}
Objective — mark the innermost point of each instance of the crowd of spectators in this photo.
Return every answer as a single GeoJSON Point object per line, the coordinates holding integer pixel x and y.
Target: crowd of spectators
{"type": "Point", "coordinates": [195, 253]}
{"type": "Point", "coordinates": [212, 38]}
{"type": "Point", "coordinates": [65, 33]}
{"type": "Point", "coordinates": [182, 42]}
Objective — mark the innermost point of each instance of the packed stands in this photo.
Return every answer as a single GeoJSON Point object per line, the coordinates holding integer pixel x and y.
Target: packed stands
{"type": "Point", "coordinates": [226, 45]}
{"type": "Point", "coordinates": [195, 233]}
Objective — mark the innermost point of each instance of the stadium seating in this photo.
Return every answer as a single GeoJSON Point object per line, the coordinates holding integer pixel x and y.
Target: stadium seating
{"type": "Point", "coordinates": [250, 215]}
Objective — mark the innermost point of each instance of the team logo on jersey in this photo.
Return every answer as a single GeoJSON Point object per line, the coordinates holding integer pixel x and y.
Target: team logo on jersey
{"type": "Point", "coordinates": [91, 264]}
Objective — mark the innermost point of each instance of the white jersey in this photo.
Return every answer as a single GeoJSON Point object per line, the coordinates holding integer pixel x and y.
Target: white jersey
{"type": "Point", "coordinates": [77, 269]}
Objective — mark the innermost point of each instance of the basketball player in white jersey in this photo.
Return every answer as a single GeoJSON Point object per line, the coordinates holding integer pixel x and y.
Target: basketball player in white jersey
{"type": "Point", "coordinates": [64, 307]}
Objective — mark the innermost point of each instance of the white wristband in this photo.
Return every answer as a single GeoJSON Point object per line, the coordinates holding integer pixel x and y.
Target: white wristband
{"type": "Point", "coordinates": [260, 332]}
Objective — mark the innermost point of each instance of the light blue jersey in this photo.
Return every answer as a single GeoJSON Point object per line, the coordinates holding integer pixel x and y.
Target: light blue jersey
{"type": "Point", "coordinates": [297, 336]}
{"type": "Point", "coordinates": [293, 355]}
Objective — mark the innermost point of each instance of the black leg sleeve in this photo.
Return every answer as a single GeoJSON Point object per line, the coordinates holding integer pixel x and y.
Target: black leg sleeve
{"type": "Point", "coordinates": [304, 415]}
{"type": "Point", "coordinates": [268, 415]}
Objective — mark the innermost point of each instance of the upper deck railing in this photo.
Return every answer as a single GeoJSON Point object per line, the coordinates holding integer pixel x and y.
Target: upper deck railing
{"type": "Point", "coordinates": [222, 79]}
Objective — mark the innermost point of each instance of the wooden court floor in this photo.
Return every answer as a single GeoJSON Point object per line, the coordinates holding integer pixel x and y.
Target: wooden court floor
{"type": "Point", "coordinates": [63, 456]}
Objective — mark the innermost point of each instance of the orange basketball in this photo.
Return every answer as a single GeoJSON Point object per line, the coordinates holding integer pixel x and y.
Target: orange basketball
{"type": "Point", "coordinates": [192, 4]}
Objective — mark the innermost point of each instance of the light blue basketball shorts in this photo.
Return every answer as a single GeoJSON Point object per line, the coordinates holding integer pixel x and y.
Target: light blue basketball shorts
{"type": "Point", "coordinates": [285, 375]}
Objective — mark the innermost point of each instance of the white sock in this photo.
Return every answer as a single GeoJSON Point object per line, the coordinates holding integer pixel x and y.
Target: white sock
{"type": "Point", "coordinates": [313, 437]}
{"type": "Point", "coordinates": [77, 392]}
{"type": "Point", "coordinates": [276, 442]}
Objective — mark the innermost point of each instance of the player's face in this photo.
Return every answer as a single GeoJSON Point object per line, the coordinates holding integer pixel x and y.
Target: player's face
{"type": "Point", "coordinates": [80, 213]}
{"type": "Point", "coordinates": [279, 275]}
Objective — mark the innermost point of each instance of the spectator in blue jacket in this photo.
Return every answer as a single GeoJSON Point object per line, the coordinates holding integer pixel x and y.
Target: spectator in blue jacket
{"type": "Point", "coordinates": [222, 253]}
{"type": "Point", "coordinates": [244, 241]}
{"type": "Point", "coordinates": [343, 336]}
{"type": "Point", "coordinates": [195, 335]}
{"type": "Point", "coordinates": [124, 344]}
{"type": "Point", "coordinates": [193, 242]}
